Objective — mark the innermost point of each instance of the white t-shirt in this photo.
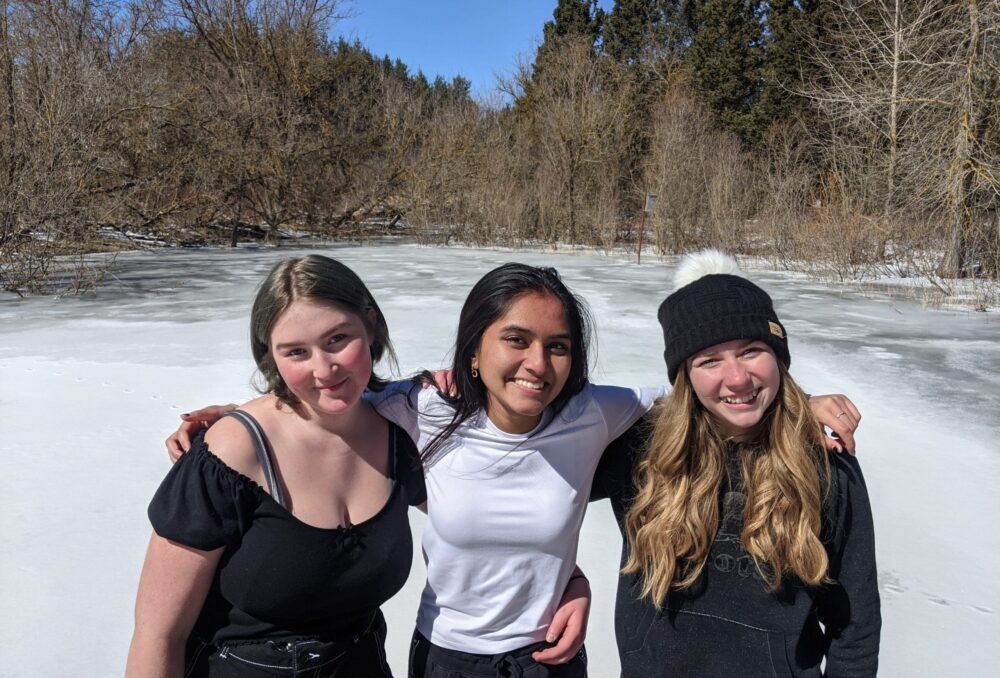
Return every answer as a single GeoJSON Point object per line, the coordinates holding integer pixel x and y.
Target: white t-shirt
{"type": "Point", "coordinates": [504, 511]}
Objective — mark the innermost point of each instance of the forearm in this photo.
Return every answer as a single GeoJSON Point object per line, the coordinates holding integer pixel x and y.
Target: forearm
{"type": "Point", "coordinates": [172, 589]}
{"type": "Point", "coordinates": [155, 656]}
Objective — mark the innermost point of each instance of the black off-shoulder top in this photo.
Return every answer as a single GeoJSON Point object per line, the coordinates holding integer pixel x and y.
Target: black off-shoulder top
{"type": "Point", "coordinates": [280, 577]}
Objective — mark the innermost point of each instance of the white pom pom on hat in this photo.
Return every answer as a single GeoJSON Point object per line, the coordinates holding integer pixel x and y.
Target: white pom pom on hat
{"type": "Point", "coordinates": [695, 265]}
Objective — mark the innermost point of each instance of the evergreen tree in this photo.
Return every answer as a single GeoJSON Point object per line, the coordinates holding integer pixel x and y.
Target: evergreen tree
{"type": "Point", "coordinates": [573, 21]}
{"type": "Point", "coordinates": [792, 26]}
{"type": "Point", "coordinates": [574, 18]}
{"type": "Point", "coordinates": [782, 72]}
{"type": "Point", "coordinates": [726, 61]}
{"type": "Point", "coordinates": [645, 30]}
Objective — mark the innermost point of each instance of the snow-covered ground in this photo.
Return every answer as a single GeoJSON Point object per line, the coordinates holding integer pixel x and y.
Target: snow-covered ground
{"type": "Point", "coordinates": [89, 387]}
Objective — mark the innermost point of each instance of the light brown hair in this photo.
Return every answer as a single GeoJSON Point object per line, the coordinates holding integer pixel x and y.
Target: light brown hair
{"type": "Point", "coordinates": [675, 516]}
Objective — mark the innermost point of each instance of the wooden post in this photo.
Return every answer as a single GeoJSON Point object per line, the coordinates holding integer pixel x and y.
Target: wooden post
{"type": "Point", "coordinates": [647, 209]}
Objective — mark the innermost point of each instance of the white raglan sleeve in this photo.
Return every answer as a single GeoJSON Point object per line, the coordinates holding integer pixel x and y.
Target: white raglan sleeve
{"type": "Point", "coordinates": [621, 407]}
{"type": "Point", "coordinates": [398, 403]}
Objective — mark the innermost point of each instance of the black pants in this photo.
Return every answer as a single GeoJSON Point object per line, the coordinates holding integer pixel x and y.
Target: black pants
{"type": "Point", "coordinates": [358, 656]}
{"type": "Point", "coordinates": [430, 661]}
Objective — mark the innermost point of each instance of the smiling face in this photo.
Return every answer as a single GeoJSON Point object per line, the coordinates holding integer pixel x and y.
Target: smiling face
{"type": "Point", "coordinates": [322, 353]}
{"type": "Point", "coordinates": [736, 382]}
{"type": "Point", "coordinates": [524, 360]}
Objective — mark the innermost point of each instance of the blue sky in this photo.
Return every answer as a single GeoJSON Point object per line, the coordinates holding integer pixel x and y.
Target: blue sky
{"type": "Point", "coordinates": [477, 39]}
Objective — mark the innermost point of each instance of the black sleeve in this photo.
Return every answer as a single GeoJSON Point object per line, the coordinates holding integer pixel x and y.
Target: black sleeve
{"type": "Point", "coordinates": [202, 503]}
{"type": "Point", "coordinates": [614, 478]}
{"type": "Point", "coordinates": [409, 470]}
{"type": "Point", "coordinates": [849, 608]}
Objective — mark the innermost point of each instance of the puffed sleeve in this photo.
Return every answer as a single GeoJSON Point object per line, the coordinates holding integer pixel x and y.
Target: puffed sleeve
{"type": "Point", "coordinates": [202, 503]}
{"type": "Point", "coordinates": [850, 607]}
{"type": "Point", "coordinates": [409, 470]}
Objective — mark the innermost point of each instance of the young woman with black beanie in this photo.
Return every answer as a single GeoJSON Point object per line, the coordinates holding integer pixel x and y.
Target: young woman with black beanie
{"type": "Point", "coordinates": [748, 548]}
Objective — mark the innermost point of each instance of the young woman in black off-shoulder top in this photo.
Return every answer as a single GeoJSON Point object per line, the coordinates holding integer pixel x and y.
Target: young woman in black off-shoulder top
{"type": "Point", "coordinates": [277, 539]}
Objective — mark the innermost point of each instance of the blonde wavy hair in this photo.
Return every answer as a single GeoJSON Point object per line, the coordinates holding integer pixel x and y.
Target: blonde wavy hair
{"type": "Point", "coordinates": [675, 516]}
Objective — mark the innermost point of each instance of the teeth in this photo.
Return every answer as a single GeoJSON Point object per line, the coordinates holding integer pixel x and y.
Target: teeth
{"type": "Point", "coordinates": [535, 385]}
{"type": "Point", "coordinates": [741, 400]}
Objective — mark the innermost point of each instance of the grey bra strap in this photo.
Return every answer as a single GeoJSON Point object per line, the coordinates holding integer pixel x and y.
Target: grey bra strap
{"type": "Point", "coordinates": [263, 453]}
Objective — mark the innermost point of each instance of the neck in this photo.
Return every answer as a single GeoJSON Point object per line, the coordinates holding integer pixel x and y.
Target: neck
{"type": "Point", "coordinates": [342, 424]}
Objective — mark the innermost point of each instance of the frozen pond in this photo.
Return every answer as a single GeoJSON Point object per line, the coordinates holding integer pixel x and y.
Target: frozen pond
{"type": "Point", "coordinates": [89, 387]}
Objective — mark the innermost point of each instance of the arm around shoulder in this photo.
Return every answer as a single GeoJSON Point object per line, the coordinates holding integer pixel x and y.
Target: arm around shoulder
{"type": "Point", "coordinates": [399, 403]}
{"type": "Point", "coordinates": [615, 475]}
{"type": "Point", "coordinates": [850, 607]}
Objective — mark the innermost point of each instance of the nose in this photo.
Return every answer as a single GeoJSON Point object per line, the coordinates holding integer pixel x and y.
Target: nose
{"type": "Point", "coordinates": [322, 366]}
{"type": "Point", "coordinates": [535, 358]}
{"type": "Point", "coordinates": [735, 375]}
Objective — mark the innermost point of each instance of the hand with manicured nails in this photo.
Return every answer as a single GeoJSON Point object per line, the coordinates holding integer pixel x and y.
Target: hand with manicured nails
{"type": "Point", "coordinates": [179, 441]}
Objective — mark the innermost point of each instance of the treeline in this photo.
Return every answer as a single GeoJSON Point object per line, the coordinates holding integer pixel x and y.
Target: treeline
{"type": "Point", "coordinates": [161, 117]}
{"type": "Point", "coordinates": [863, 132]}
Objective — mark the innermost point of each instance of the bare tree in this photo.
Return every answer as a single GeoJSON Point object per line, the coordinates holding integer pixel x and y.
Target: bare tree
{"type": "Point", "coordinates": [907, 91]}
{"type": "Point", "coordinates": [580, 110]}
{"type": "Point", "coordinates": [701, 175]}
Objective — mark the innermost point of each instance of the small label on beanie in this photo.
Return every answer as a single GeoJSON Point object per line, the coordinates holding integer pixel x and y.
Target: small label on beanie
{"type": "Point", "coordinates": [775, 329]}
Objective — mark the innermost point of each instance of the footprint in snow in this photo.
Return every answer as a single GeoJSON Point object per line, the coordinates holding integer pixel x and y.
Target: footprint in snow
{"type": "Point", "coordinates": [891, 582]}
{"type": "Point", "coordinates": [938, 600]}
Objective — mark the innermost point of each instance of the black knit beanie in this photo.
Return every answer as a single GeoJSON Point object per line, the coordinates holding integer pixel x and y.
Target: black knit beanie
{"type": "Point", "coordinates": [716, 306]}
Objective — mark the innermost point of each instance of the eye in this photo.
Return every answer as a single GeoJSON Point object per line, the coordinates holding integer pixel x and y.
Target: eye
{"type": "Point", "coordinates": [337, 338]}
{"type": "Point", "coordinates": [293, 352]}
{"type": "Point", "coordinates": [559, 347]}
{"type": "Point", "coordinates": [515, 340]}
{"type": "Point", "coordinates": [751, 352]}
{"type": "Point", "coordinates": [705, 362]}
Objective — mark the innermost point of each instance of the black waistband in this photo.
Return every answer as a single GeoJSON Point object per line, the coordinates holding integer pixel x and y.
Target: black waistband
{"type": "Point", "coordinates": [512, 663]}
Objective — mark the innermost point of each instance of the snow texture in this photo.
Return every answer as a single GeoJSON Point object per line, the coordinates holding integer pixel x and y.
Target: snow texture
{"type": "Point", "coordinates": [90, 387]}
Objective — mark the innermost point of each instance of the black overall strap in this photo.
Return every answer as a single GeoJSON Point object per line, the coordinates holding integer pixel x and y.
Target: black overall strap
{"type": "Point", "coordinates": [393, 454]}
{"type": "Point", "coordinates": [263, 449]}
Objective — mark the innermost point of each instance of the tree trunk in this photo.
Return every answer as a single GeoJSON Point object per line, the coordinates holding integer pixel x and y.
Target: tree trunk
{"type": "Point", "coordinates": [957, 258]}
{"type": "Point", "coordinates": [897, 38]}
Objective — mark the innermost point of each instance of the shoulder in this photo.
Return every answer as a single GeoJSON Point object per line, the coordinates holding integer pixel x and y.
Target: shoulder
{"type": "Point", "coordinates": [847, 499]}
{"type": "Point", "coordinates": [605, 395]}
{"type": "Point", "coordinates": [845, 474]}
{"type": "Point", "coordinates": [229, 440]}
{"type": "Point", "coordinates": [615, 473]}
{"type": "Point", "coordinates": [403, 389]}
{"type": "Point", "coordinates": [632, 445]}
